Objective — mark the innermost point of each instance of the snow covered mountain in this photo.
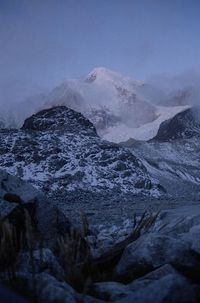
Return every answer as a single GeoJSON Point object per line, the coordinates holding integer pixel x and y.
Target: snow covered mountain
{"type": "Point", "coordinates": [184, 125]}
{"type": "Point", "coordinates": [115, 104]}
{"type": "Point", "coordinates": [59, 150]}
{"type": "Point", "coordinates": [173, 155]}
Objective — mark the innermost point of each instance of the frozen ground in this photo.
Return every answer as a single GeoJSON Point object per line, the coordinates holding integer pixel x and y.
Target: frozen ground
{"type": "Point", "coordinates": [113, 208]}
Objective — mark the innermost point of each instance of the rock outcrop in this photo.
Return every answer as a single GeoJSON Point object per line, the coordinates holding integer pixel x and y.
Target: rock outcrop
{"type": "Point", "coordinates": [58, 150]}
{"type": "Point", "coordinates": [183, 126]}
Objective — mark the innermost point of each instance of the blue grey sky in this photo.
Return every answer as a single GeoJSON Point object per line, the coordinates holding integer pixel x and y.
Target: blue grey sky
{"type": "Point", "coordinates": [43, 42]}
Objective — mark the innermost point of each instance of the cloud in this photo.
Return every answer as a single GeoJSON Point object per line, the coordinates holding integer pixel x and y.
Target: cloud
{"type": "Point", "coordinates": [177, 89]}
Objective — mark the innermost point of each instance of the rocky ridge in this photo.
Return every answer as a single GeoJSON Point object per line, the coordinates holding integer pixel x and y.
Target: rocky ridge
{"type": "Point", "coordinates": [172, 156]}
{"type": "Point", "coordinates": [59, 150]}
{"type": "Point", "coordinates": [117, 105]}
{"type": "Point", "coordinates": [183, 126]}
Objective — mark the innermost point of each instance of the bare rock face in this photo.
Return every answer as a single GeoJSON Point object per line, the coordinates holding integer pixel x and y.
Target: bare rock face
{"type": "Point", "coordinates": [171, 287]}
{"type": "Point", "coordinates": [59, 118]}
{"type": "Point", "coordinates": [41, 260]}
{"type": "Point", "coordinates": [154, 250]}
{"type": "Point", "coordinates": [18, 197]}
{"type": "Point", "coordinates": [58, 150]}
{"type": "Point", "coordinates": [111, 291]}
{"type": "Point", "coordinates": [184, 125]}
{"type": "Point", "coordinates": [48, 289]}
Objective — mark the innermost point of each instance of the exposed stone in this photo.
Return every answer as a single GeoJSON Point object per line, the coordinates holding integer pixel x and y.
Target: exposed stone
{"type": "Point", "coordinates": [110, 291]}
{"type": "Point", "coordinates": [40, 260]}
{"type": "Point", "coordinates": [178, 221]}
{"type": "Point", "coordinates": [15, 189]}
{"type": "Point", "coordinates": [58, 150]}
{"type": "Point", "coordinates": [153, 250]}
{"type": "Point", "coordinates": [183, 125]}
{"type": "Point", "coordinates": [46, 218]}
{"type": "Point", "coordinates": [89, 299]}
{"type": "Point", "coordinates": [171, 288]}
{"type": "Point", "coordinates": [50, 290]}
{"type": "Point", "coordinates": [155, 275]}
{"type": "Point", "coordinates": [6, 208]}
{"type": "Point", "coordinates": [12, 198]}
{"type": "Point", "coordinates": [65, 119]}
{"type": "Point", "coordinates": [193, 238]}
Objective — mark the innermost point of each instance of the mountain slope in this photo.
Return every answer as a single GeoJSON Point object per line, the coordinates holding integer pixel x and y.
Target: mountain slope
{"type": "Point", "coordinates": [183, 125]}
{"type": "Point", "coordinates": [115, 104]}
{"type": "Point", "coordinates": [58, 150]}
{"type": "Point", "coordinates": [175, 164]}
{"type": "Point", "coordinates": [173, 156]}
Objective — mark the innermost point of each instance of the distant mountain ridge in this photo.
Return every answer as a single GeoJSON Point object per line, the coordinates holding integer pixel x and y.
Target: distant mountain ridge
{"type": "Point", "coordinates": [115, 104]}
{"type": "Point", "coordinates": [183, 126]}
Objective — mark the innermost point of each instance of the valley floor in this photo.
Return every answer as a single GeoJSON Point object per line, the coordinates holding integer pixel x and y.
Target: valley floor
{"type": "Point", "coordinates": [109, 209]}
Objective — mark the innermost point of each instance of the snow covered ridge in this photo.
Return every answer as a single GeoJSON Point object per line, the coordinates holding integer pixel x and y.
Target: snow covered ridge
{"type": "Point", "coordinates": [184, 125]}
{"type": "Point", "coordinates": [172, 156]}
{"type": "Point", "coordinates": [117, 106]}
{"type": "Point", "coordinates": [58, 150]}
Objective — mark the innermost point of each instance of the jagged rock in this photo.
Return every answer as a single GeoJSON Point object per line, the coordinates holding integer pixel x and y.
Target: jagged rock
{"type": "Point", "coordinates": [154, 250]}
{"type": "Point", "coordinates": [178, 221]}
{"type": "Point", "coordinates": [7, 295]}
{"type": "Point", "coordinates": [58, 150]}
{"type": "Point", "coordinates": [170, 288]}
{"type": "Point", "coordinates": [50, 290]}
{"type": "Point", "coordinates": [12, 198]}
{"type": "Point", "coordinates": [13, 189]}
{"type": "Point", "coordinates": [155, 275]}
{"type": "Point", "coordinates": [89, 299]}
{"type": "Point", "coordinates": [40, 260]}
{"type": "Point", "coordinates": [59, 118]}
{"type": "Point", "coordinates": [183, 125]}
{"type": "Point", "coordinates": [47, 218]}
{"type": "Point", "coordinates": [193, 238]}
{"type": "Point", "coordinates": [175, 163]}
{"type": "Point", "coordinates": [6, 209]}
{"type": "Point", "coordinates": [110, 291]}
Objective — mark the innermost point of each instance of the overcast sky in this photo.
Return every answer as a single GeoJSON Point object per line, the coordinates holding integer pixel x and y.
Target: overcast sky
{"type": "Point", "coordinates": [43, 42]}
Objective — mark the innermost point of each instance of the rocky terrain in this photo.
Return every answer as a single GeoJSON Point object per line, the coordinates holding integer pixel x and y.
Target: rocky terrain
{"type": "Point", "coordinates": [58, 150]}
{"type": "Point", "coordinates": [172, 156]}
{"type": "Point", "coordinates": [153, 258]}
{"type": "Point", "coordinates": [117, 105]}
{"type": "Point", "coordinates": [98, 221]}
{"type": "Point", "coordinates": [184, 125]}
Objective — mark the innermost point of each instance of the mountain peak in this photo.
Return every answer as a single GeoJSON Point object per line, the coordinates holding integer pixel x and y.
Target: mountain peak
{"type": "Point", "coordinates": [59, 118]}
{"type": "Point", "coordinates": [102, 73]}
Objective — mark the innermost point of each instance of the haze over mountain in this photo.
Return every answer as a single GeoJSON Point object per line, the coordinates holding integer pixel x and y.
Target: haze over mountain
{"type": "Point", "coordinates": [99, 151]}
{"type": "Point", "coordinates": [117, 105]}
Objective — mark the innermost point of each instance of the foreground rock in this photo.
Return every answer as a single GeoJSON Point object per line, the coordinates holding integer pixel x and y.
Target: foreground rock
{"type": "Point", "coordinates": [111, 291]}
{"type": "Point", "coordinates": [170, 287]}
{"type": "Point", "coordinates": [160, 263]}
{"type": "Point", "coordinates": [48, 289]}
{"type": "Point", "coordinates": [19, 198]}
{"type": "Point", "coordinates": [40, 260]}
{"type": "Point", "coordinates": [178, 221]}
{"type": "Point", "coordinates": [13, 189]}
{"type": "Point", "coordinates": [153, 250]}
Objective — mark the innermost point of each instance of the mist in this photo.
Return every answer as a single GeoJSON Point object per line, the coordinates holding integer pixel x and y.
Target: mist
{"type": "Point", "coordinates": [177, 89]}
{"type": "Point", "coordinates": [46, 42]}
